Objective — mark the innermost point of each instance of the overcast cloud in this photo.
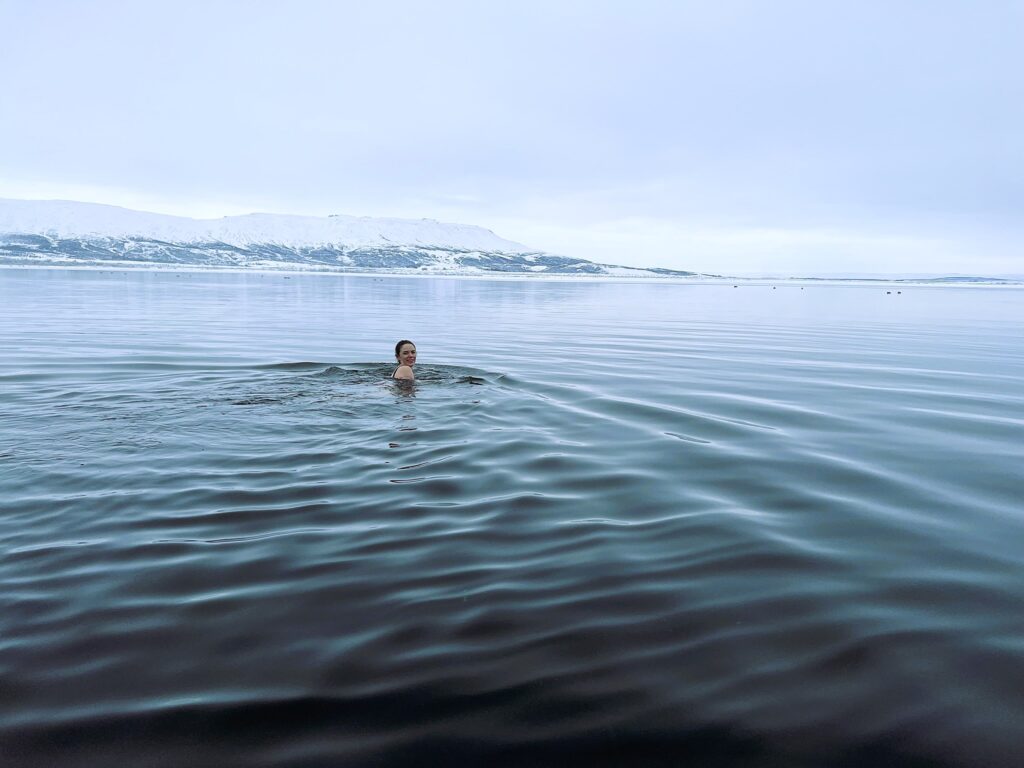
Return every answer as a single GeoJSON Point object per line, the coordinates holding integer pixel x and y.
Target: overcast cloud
{"type": "Point", "coordinates": [734, 137]}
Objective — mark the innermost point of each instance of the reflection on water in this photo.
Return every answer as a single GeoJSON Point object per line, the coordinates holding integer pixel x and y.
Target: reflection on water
{"type": "Point", "coordinates": [617, 523]}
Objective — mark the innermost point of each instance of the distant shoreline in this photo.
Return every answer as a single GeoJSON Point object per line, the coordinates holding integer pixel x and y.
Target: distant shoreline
{"type": "Point", "coordinates": [951, 282]}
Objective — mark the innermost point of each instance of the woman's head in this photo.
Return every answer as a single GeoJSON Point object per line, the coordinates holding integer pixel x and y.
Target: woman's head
{"type": "Point", "coordinates": [405, 352]}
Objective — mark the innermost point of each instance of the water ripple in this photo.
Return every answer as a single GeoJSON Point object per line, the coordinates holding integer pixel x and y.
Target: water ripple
{"type": "Point", "coordinates": [745, 532]}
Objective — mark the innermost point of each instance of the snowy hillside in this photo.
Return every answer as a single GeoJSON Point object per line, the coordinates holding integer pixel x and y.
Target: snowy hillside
{"type": "Point", "coordinates": [63, 219]}
{"type": "Point", "coordinates": [87, 234]}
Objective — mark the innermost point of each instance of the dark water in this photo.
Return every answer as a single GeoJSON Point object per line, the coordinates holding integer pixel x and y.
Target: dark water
{"type": "Point", "coordinates": [640, 524]}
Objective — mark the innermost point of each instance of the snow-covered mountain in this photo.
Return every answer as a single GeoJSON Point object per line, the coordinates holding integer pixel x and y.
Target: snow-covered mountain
{"type": "Point", "coordinates": [56, 232]}
{"type": "Point", "coordinates": [65, 220]}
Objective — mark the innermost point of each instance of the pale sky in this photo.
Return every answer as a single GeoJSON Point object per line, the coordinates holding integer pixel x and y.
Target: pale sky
{"type": "Point", "coordinates": [730, 137]}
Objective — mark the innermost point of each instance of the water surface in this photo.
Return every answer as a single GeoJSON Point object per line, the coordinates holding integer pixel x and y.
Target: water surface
{"type": "Point", "coordinates": [611, 523]}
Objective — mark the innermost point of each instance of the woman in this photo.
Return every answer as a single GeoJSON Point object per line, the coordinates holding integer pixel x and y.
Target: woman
{"type": "Point", "coordinates": [405, 354]}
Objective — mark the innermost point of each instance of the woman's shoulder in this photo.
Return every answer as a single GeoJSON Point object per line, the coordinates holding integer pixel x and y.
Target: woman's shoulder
{"type": "Point", "coordinates": [402, 372]}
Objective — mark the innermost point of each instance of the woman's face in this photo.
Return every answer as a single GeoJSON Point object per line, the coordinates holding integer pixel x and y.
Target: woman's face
{"type": "Point", "coordinates": [407, 354]}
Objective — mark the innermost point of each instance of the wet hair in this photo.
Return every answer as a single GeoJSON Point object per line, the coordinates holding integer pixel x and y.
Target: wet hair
{"type": "Point", "coordinates": [399, 345]}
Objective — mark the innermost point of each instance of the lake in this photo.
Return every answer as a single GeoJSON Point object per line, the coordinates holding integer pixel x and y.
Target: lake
{"type": "Point", "coordinates": [611, 523]}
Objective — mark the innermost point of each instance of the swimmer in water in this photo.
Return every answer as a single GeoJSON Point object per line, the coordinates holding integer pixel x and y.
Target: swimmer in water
{"type": "Point", "coordinates": [405, 354]}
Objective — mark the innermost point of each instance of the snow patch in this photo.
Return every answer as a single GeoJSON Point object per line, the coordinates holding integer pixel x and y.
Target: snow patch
{"type": "Point", "coordinates": [65, 219]}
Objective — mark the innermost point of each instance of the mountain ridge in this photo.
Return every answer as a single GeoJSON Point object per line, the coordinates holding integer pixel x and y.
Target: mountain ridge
{"type": "Point", "coordinates": [61, 232]}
